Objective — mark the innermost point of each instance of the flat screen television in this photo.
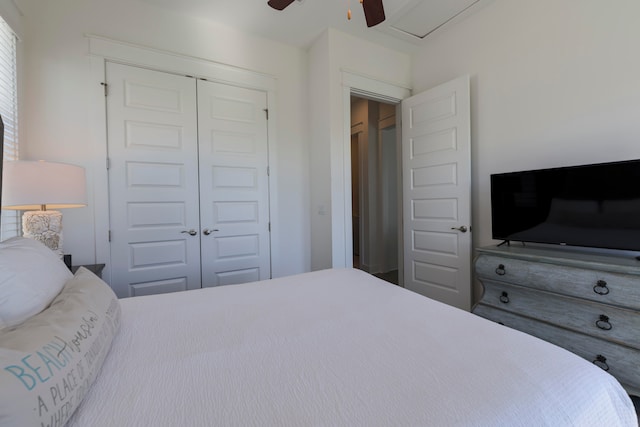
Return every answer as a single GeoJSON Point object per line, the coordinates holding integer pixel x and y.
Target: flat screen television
{"type": "Point", "coordinates": [596, 205]}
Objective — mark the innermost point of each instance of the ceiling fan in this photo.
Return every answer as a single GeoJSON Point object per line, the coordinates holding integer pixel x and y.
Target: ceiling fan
{"type": "Point", "coordinates": [373, 9]}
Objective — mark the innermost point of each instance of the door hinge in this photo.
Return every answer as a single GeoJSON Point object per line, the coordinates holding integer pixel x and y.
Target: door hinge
{"type": "Point", "coordinates": [109, 235]}
{"type": "Point", "coordinates": [266, 111]}
{"type": "Point", "coordinates": [269, 227]}
{"type": "Point", "coordinates": [108, 163]}
{"type": "Point", "coordinates": [268, 171]}
{"type": "Point", "coordinates": [104, 86]}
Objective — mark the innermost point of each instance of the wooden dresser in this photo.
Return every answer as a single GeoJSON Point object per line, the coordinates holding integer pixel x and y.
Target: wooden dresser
{"type": "Point", "coordinates": [586, 303]}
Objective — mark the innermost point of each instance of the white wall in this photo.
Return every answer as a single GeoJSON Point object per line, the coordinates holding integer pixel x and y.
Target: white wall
{"type": "Point", "coordinates": [553, 83]}
{"type": "Point", "coordinates": [320, 162]}
{"type": "Point", "coordinates": [12, 16]}
{"type": "Point", "coordinates": [332, 54]}
{"type": "Point", "coordinates": [55, 118]}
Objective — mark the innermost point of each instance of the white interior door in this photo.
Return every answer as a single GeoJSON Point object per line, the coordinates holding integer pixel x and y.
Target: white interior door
{"type": "Point", "coordinates": [437, 193]}
{"type": "Point", "coordinates": [234, 184]}
{"type": "Point", "coordinates": [153, 181]}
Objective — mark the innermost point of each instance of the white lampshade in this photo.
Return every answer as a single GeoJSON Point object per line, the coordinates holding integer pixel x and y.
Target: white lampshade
{"type": "Point", "coordinates": [41, 186]}
{"type": "Point", "coordinates": [29, 185]}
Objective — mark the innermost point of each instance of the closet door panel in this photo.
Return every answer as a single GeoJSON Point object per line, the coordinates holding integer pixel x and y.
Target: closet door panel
{"type": "Point", "coordinates": [153, 181]}
{"type": "Point", "coordinates": [234, 184]}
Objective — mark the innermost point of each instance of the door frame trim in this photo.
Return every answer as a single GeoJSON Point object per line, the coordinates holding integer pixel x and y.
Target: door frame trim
{"type": "Point", "coordinates": [341, 224]}
{"type": "Point", "coordinates": [102, 50]}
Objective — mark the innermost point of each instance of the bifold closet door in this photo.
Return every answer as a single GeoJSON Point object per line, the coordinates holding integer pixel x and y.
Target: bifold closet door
{"type": "Point", "coordinates": [234, 184]}
{"type": "Point", "coordinates": [153, 181]}
{"type": "Point", "coordinates": [188, 182]}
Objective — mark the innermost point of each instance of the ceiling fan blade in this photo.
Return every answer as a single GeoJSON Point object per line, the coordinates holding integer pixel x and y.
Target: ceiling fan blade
{"type": "Point", "coordinates": [279, 4]}
{"type": "Point", "coordinates": [373, 12]}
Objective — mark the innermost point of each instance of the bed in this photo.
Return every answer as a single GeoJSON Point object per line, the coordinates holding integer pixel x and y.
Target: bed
{"type": "Point", "coordinates": [335, 347]}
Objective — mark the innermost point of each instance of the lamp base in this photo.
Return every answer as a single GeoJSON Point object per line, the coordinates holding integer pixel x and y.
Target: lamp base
{"type": "Point", "coordinates": [45, 227]}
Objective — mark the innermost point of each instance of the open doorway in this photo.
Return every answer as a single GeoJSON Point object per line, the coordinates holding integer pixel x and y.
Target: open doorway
{"type": "Point", "coordinates": [375, 188]}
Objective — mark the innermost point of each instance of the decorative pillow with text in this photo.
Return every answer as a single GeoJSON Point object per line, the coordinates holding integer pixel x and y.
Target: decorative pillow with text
{"type": "Point", "coordinates": [49, 362]}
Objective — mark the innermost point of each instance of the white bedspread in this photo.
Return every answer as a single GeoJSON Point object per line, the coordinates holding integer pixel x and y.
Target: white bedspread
{"type": "Point", "coordinates": [336, 348]}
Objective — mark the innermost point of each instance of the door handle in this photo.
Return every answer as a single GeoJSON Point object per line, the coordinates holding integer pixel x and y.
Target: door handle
{"type": "Point", "coordinates": [461, 229]}
{"type": "Point", "coordinates": [191, 232]}
{"type": "Point", "coordinates": [206, 231]}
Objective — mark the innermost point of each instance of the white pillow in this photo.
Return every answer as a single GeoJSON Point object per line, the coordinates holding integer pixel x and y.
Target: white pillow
{"type": "Point", "coordinates": [31, 275]}
{"type": "Point", "coordinates": [49, 362]}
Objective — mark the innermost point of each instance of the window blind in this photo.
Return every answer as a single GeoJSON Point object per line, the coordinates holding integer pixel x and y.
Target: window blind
{"type": "Point", "coordinates": [9, 220]}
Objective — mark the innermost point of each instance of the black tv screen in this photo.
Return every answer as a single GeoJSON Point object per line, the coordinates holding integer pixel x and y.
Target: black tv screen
{"type": "Point", "coordinates": [595, 205]}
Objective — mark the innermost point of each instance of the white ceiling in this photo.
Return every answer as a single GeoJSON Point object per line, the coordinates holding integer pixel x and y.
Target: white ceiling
{"type": "Point", "coordinates": [408, 22]}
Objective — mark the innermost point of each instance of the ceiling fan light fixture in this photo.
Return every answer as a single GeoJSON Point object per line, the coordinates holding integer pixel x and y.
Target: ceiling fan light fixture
{"type": "Point", "coordinates": [373, 9]}
{"type": "Point", "coordinates": [279, 4]}
{"type": "Point", "coordinates": [373, 12]}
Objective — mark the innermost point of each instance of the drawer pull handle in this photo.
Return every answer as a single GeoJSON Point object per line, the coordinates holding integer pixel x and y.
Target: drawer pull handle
{"type": "Point", "coordinates": [603, 323]}
{"type": "Point", "coordinates": [500, 270]}
{"type": "Point", "coordinates": [601, 362]}
{"type": "Point", "coordinates": [601, 288]}
{"type": "Point", "coordinates": [504, 298]}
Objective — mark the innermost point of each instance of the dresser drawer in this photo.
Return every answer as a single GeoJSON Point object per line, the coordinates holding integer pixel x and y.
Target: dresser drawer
{"type": "Point", "coordinates": [600, 320]}
{"type": "Point", "coordinates": [621, 362]}
{"type": "Point", "coordinates": [604, 287]}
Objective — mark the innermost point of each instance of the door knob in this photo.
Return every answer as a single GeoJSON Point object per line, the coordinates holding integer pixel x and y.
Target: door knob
{"type": "Point", "coordinates": [191, 232]}
{"type": "Point", "coordinates": [206, 231]}
{"type": "Point", "coordinates": [461, 229]}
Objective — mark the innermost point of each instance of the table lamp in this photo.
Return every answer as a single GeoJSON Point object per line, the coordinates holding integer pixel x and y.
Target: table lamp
{"type": "Point", "coordinates": [36, 187]}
